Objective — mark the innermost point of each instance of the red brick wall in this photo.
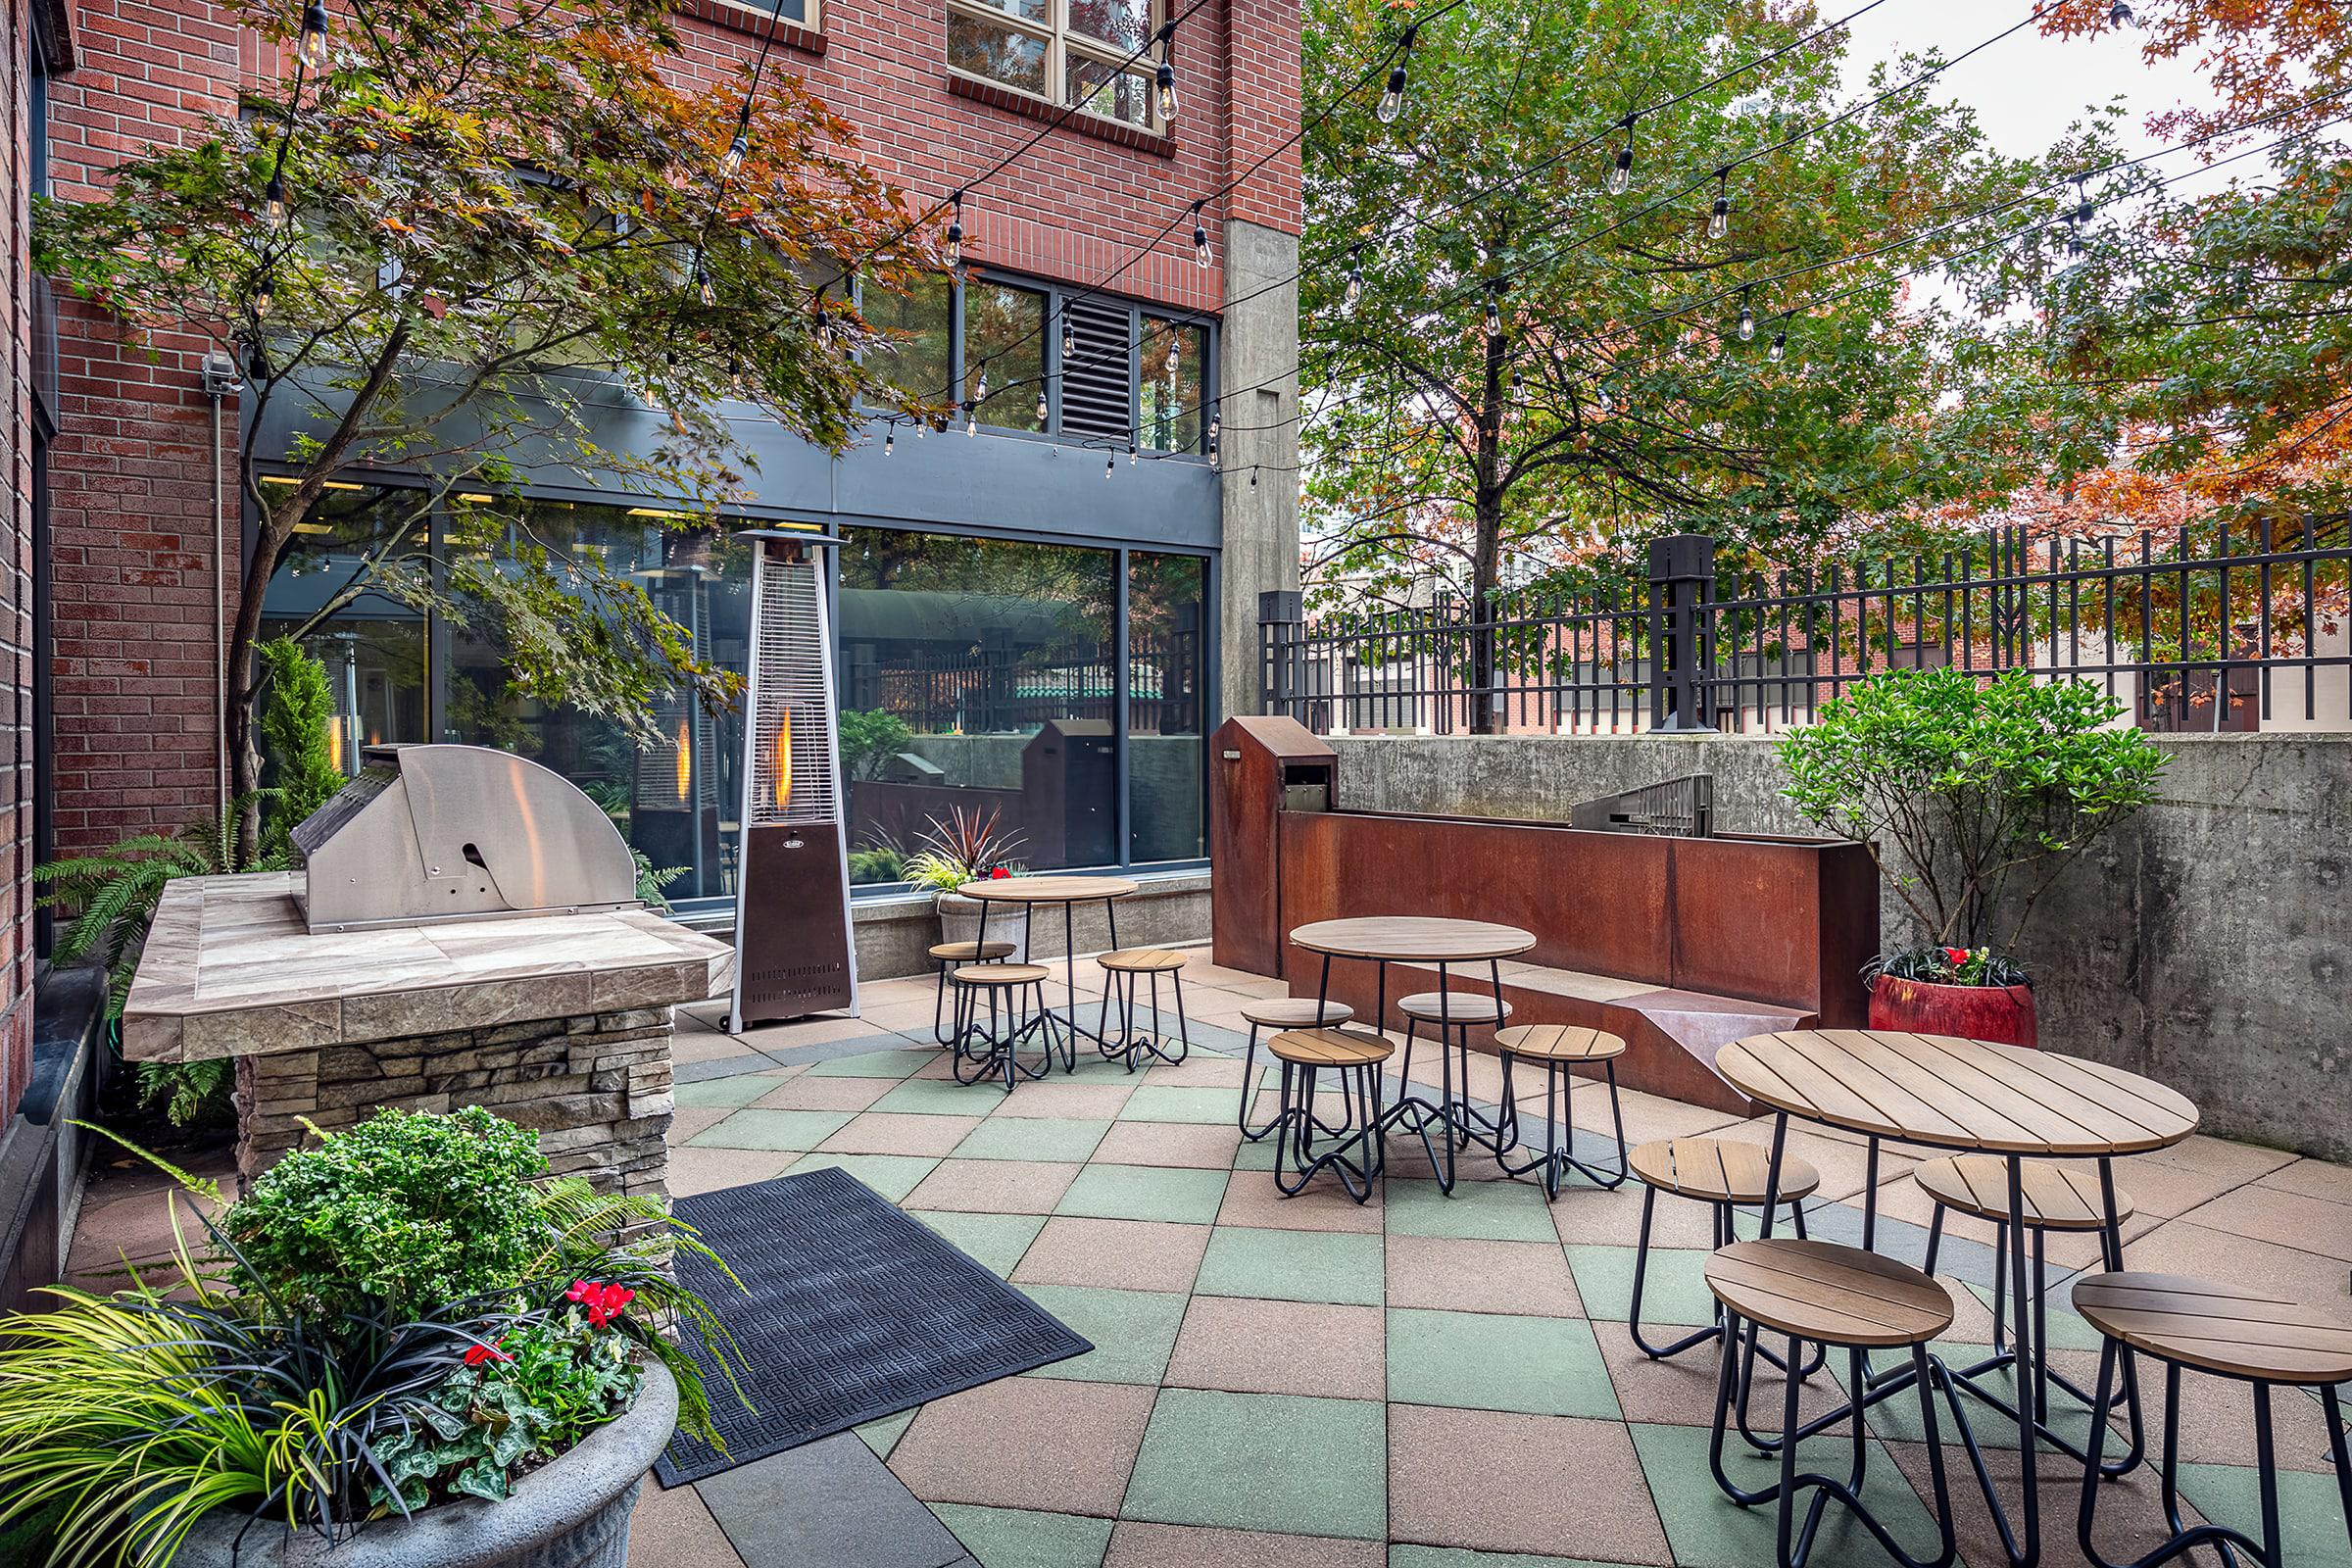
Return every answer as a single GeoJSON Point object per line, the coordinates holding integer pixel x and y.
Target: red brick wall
{"type": "Point", "coordinates": [132, 519]}
{"type": "Point", "coordinates": [16, 581]}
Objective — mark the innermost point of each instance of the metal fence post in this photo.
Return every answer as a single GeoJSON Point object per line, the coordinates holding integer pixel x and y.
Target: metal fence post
{"type": "Point", "coordinates": [1281, 635]}
{"type": "Point", "coordinates": [1681, 585]}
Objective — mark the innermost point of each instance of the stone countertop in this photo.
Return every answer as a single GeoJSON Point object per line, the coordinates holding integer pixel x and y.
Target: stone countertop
{"type": "Point", "coordinates": [232, 970]}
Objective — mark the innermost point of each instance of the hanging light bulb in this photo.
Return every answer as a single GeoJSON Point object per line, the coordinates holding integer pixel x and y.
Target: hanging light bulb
{"type": "Point", "coordinates": [1199, 237]}
{"type": "Point", "coordinates": [274, 198]}
{"type": "Point", "coordinates": [1355, 277]}
{"type": "Point", "coordinates": [1602, 400]}
{"type": "Point", "coordinates": [312, 46]}
{"type": "Point", "coordinates": [735, 373]}
{"type": "Point", "coordinates": [1719, 218]}
{"type": "Point", "coordinates": [261, 296]}
{"type": "Point", "coordinates": [954, 248]}
{"type": "Point", "coordinates": [1621, 175]}
{"type": "Point", "coordinates": [1495, 310]}
{"type": "Point", "coordinates": [824, 327]}
{"type": "Point", "coordinates": [1392, 102]}
{"type": "Point", "coordinates": [1212, 436]}
{"type": "Point", "coordinates": [732, 163]}
{"type": "Point", "coordinates": [980, 386]}
{"type": "Point", "coordinates": [1131, 452]}
{"type": "Point", "coordinates": [1780, 346]}
{"type": "Point", "coordinates": [703, 285]}
{"type": "Point", "coordinates": [890, 443]}
{"type": "Point", "coordinates": [1108, 464]}
{"type": "Point", "coordinates": [1175, 354]}
{"type": "Point", "coordinates": [1165, 78]}
{"type": "Point", "coordinates": [1069, 334]}
{"type": "Point", "coordinates": [1044, 409]}
{"type": "Point", "coordinates": [1747, 320]}
{"type": "Point", "coordinates": [971, 419]}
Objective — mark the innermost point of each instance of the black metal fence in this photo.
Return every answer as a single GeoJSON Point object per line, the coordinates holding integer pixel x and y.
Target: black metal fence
{"type": "Point", "coordinates": [982, 691]}
{"type": "Point", "coordinates": [2214, 630]}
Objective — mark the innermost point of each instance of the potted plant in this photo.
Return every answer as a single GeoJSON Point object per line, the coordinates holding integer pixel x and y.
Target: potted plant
{"type": "Point", "coordinates": [407, 1343]}
{"type": "Point", "coordinates": [967, 847]}
{"type": "Point", "coordinates": [1974, 794]}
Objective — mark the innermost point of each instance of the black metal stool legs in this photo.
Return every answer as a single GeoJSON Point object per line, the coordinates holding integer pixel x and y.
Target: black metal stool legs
{"type": "Point", "coordinates": [1130, 1045]}
{"type": "Point", "coordinates": [993, 1049]}
{"type": "Point", "coordinates": [1294, 1125]}
{"type": "Point", "coordinates": [1560, 1130]}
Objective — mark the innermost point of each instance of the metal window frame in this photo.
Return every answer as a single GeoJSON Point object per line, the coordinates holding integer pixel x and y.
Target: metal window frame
{"type": "Point", "coordinates": [1062, 42]}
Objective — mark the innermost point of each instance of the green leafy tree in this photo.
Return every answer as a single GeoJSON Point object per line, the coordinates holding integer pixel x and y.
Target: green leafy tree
{"type": "Point", "coordinates": [298, 707]}
{"type": "Point", "coordinates": [1613, 398]}
{"type": "Point", "coordinates": [496, 226]}
{"type": "Point", "coordinates": [869, 739]}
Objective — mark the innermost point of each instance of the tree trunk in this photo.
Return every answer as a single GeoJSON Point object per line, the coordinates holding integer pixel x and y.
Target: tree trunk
{"type": "Point", "coordinates": [1486, 559]}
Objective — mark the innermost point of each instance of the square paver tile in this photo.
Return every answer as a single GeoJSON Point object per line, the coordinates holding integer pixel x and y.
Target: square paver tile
{"type": "Point", "coordinates": [1252, 1198]}
{"type": "Point", "coordinates": [898, 1063]}
{"type": "Point", "coordinates": [894, 1176]}
{"type": "Point", "coordinates": [1145, 1191]}
{"type": "Point", "coordinates": [1203, 1146]}
{"type": "Point", "coordinates": [832, 1501]}
{"type": "Point", "coordinates": [1128, 1255]}
{"type": "Point", "coordinates": [1404, 1556]}
{"type": "Point", "coordinates": [695, 1170]}
{"type": "Point", "coordinates": [1263, 1461]}
{"type": "Point", "coordinates": [1674, 1287]}
{"type": "Point", "coordinates": [1478, 1211]}
{"type": "Point", "coordinates": [800, 1092]}
{"type": "Point", "coordinates": [943, 1097]}
{"type": "Point", "coordinates": [996, 1241]}
{"type": "Point", "coordinates": [1033, 1137]}
{"type": "Point", "coordinates": [1245, 1346]}
{"type": "Point", "coordinates": [1016, 1537]}
{"type": "Point", "coordinates": [1488, 1481]}
{"type": "Point", "coordinates": [2286, 1218]}
{"type": "Point", "coordinates": [1066, 1096]}
{"type": "Point", "coordinates": [740, 1090]}
{"type": "Point", "coordinates": [1530, 1278]}
{"type": "Point", "coordinates": [885, 1132]}
{"type": "Point", "coordinates": [1133, 1331]}
{"type": "Point", "coordinates": [1708, 1529]}
{"type": "Point", "coordinates": [1485, 1362]}
{"type": "Point", "coordinates": [1293, 1265]}
{"type": "Point", "coordinates": [1050, 1444]}
{"type": "Point", "coordinates": [773, 1129]}
{"type": "Point", "coordinates": [994, 1186]}
{"type": "Point", "coordinates": [1208, 1105]}
{"type": "Point", "coordinates": [672, 1529]}
{"type": "Point", "coordinates": [1136, 1543]}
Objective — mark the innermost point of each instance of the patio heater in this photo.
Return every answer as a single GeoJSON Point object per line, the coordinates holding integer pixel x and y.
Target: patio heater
{"type": "Point", "coordinates": [794, 953]}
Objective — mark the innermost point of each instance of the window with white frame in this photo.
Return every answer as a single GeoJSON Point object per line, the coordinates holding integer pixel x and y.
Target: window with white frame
{"type": "Point", "coordinates": [796, 12]}
{"type": "Point", "coordinates": [1064, 51]}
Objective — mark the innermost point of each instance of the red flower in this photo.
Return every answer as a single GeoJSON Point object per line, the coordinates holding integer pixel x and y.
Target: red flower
{"type": "Point", "coordinates": [1956, 954]}
{"type": "Point", "coordinates": [580, 1290]}
{"type": "Point", "coordinates": [603, 1301]}
{"type": "Point", "coordinates": [998, 872]}
{"type": "Point", "coordinates": [476, 1354]}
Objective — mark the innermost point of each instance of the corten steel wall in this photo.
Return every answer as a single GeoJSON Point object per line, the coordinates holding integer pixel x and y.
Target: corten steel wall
{"type": "Point", "coordinates": [134, 524]}
{"type": "Point", "coordinates": [16, 586]}
{"type": "Point", "coordinates": [2208, 944]}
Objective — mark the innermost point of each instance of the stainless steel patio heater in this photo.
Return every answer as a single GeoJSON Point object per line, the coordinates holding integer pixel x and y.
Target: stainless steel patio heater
{"type": "Point", "coordinates": [794, 953]}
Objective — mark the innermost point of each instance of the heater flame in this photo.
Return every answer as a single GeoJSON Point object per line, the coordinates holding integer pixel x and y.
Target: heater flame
{"type": "Point", "coordinates": [334, 745]}
{"type": "Point", "coordinates": [783, 759]}
{"type": "Point", "coordinates": [685, 764]}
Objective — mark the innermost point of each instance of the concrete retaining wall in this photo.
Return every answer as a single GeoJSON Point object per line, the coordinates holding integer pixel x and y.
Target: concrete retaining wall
{"type": "Point", "coordinates": [2208, 944]}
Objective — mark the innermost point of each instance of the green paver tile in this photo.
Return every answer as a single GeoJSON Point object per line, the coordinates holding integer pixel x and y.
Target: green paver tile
{"type": "Point", "coordinates": [1478, 1211]}
{"type": "Point", "coordinates": [1015, 1538]}
{"type": "Point", "coordinates": [1146, 1191]}
{"type": "Point", "coordinates": [1403, 1556]}
{"type": "Point", "coordinates": [1483, 1362]}
{"type": "Point", "coordinates": [1176, 1102]}
{"type": "Point", "coordinates": [882, 1435]}
{"type": "Point", "coordinates": [996, 1241]}
{"type": "Point", "coordinates": [773, 1129]}
{"type": "Point", "coordinates": [1042, 1138]}
{"type": "Point", "coordinates": [740, 1090]}
{"type": "Point", "coordinates": [1674, 1290]}
{"type": "Point", "coordinates": [894, 1176]}
{"type": "Point", "coordinates": [876, 1064]}
{"type": "Point", "coordinates": [1255, 1156]}
{"type": "Point", "coordinates": [943, 1097]}
{"type": "Point", "coordinates": [1264, 1461]}
{"type": "Point", "coordinates": [1134, 1332]}
{"type": "Point", "coordinates": [1706, 1530]}
{"type": "Point", "coordinates": [1336, 1267]}
{"type": "Point", "coordinates": [2310, 1511]}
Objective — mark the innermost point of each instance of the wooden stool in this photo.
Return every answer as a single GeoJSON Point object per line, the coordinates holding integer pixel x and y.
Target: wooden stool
{"type": "Point", "coordinates": [945, 954]}
{"type": "Point", "coordinates": [1828, 1294]}
{"type": "Point", "coordinates": [1016, 993]}
{"type": "Point", "coordinates": [1453, 1014]}
{"type": "Point", "coordinates": [2057, 1195]}
{"type": "Point", "coordinates": [1122, 972]}
{"type": "Point", "coordinates": [2227, 1331]}
{"type": "Point", "coordinates": [1356, 1055]}
{"type": "Point", "coordinates": [1280, 1012]}
{"type": "Point", "coordinates": [1724, 1174]}
{"type": "Point", "coordinates": [1559, 1048]}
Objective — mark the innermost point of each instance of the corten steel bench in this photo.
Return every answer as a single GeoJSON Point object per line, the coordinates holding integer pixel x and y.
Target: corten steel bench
{"type": "Point", "coordinates": [1678, 946]}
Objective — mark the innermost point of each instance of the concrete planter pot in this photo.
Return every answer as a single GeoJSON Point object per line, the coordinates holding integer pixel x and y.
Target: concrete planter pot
{"type": "Point", "coordinates": [2003, 1013]}
{"type": "Point", "coordinates": [959, 921]}
{"type": "Point", "coordinates": [571, 1513]}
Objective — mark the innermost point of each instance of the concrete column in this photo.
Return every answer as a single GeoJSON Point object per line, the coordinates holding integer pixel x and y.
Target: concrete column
{"type": "Point", "coordinates": [1259, 375]}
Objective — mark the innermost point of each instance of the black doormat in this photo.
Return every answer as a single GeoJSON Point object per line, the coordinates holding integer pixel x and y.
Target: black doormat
{"type": "Point", "coordinates": [854, 1311]}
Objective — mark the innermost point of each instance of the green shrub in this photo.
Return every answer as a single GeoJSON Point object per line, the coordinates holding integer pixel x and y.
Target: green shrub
{"type": "Point", "coordinates": [869, 739]}
{"type": "Point", "coordinates": [298, 707]}
{"type": "Point", "coordinates": [410, 1210]}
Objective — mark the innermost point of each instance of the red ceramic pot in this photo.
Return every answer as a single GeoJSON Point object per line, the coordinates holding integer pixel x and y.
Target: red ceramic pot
{"type": "Point", "coordinates": [1976, 1012]}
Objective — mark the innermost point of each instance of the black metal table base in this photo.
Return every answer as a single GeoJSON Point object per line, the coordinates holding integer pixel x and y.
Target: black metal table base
{"type": "Point", "coordinates": [1067, 1019]}
{"type": "Point", "coordinates": [993, 1049]}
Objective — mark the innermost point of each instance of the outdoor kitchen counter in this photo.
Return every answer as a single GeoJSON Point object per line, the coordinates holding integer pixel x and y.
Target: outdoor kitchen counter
{"type": "Point", "coordinates": [559, 1023]}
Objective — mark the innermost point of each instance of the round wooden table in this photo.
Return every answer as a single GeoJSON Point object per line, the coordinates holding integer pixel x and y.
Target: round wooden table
{"type": "Point", "coordinates": [1068, 892]}
{"type": "Point", "coordinates": [1977, 1096]}
{"type": "Point", "coordinates": [1384, 939]}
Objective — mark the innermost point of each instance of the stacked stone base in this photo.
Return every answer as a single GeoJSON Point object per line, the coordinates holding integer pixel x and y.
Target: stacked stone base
{"type": "Point", "coordinates": [596, 1088]}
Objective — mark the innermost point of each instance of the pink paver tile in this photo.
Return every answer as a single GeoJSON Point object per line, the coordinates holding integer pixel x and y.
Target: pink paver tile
{"type": "Point", "coordinates": [994, 1186]}
{"type": "Point", "coordinates": [695, 1170]}
{"type": "Point", "coordinates": [804, 1093]}
{"type": "Point", "coordinates": [1137, 1544]}
{"type": "Point", "coordinates": [2313, 1178]}
{"type": "Point", "coordinates": [1253, 1200]}
{"type": "Point", "coordinates": [1583, 1214]}
{"type": "Point", "coordinates": [2170, 1182]}
{"type": "Point", "coordinates": [1068, 1098]}
{"type": "Point", "coordinates": [809, 1032]}
{"type": "Point", "coordinates": [1527, 1278]}
{"type": "Point", "coordinates": [1680, 1391]}
{"type": "Point", "coordinates": [1162, 1142]}
{"type": "Point", "coordinates": [1124, 1254]}
{"type": "Point", "coordinates": [708, 1046]}
{"type": "Point", "coordinates": [1488, 1481]}
{"type": "Point", "coordinates": [687, 1120]}
{"type": "Point", "coordinates": [1053, 1443]}
{"type": "Point", "coordinates": [1197, 1072]}
{"type": "Point", "coordinates": [1647, 1116]}
{"type": "Point", "coordinates": [2180, 1246]}
{"type": "Point", "coordinates": [2130, 1511]}
{"type": "Point", "coordinates": [2288, 1219]}
{"type": "Point", "coordinates": [892, 1132]}
{"type": "Point", "coordinates": [1244, 1346]}
{"type": "Point", "coordinates": [670, 1528]}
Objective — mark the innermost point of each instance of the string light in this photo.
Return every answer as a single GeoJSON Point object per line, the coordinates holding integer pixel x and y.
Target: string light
{"type": "Point", "coordinates": [261, 296]}
{"type": "Point", "coordinates": [1780, 346]}
{"type": "Point", "coordinates": [980, 386]}
{"type": "Point", "coordinates": [1108, 464]}
{"type": "Point", "coordinates": [1166, 77]}
{"type": "Point", "coordinates": [1747, 318]}
{"type": "Point", "coordinates": [890, 442]}
{"type": "Point", "coordinates": [1175, 354]}
{"type": "Point", "coordinates": [275, 196]}
{"type": "Point", "coordinates": [1069, 334]}
{"type": "Point", "coordinates": [1494, 308]}
{"type": "Point", "coordinates": [312, 47]}
{"type": "Point", "coordinates": [1199, 237]}
{"type": "Point", "coordinates": [971, 418]}
{"type": "Point", "coordinates": [825, 325]}
{"type": "Point", "coordinates": [1621, 175]}
{"type": "Point", "coordinates": [1043, 409]}
{"type": "Point", "coordinates": [737, 150]}
{"type": "Point", "coordinates": [1212, 436]}
{"type": "Point", "coordinates": [1719, 220]}
{"type": "Point", "coordinates": [1131, 452]}
{"type": "Point", "coordinates": [1392, 102]}
{"type": "Point", "coordinates": [703, 285]}
{"type": "Point", "coordinates": [1355, 277]}
{"type": "Point", "coordinates": [955, 247]}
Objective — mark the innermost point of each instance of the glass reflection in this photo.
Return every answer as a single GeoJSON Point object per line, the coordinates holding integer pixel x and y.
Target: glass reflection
{"type": "Point", "coordinates": [1167, 745]}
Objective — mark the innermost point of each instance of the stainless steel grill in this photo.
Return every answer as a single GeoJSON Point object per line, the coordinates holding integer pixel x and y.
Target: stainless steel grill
{"type": "Point", "coordinates": [433, 833]}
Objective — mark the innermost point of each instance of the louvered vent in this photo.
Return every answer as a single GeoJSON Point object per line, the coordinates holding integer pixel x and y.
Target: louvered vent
{"type": "Point", "coordinates": [1098, 380]}
{"type": "Point", "coordinates": [794, 721]}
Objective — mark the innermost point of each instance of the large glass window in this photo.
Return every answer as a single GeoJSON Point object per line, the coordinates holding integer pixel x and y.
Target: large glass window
{"type": "Point", "coordinates": [372, 642]}
{"type": "Point", "coordinates": [917, 354]}
{"type": "Point", "coordinates": [1004, 352]}
{"type": "Point", "coordinates": [1168, 707]}
{"type": "Point", "coordinates": [1170, 371]}
{"type": "Point", "coordinates": [1067, 50]}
